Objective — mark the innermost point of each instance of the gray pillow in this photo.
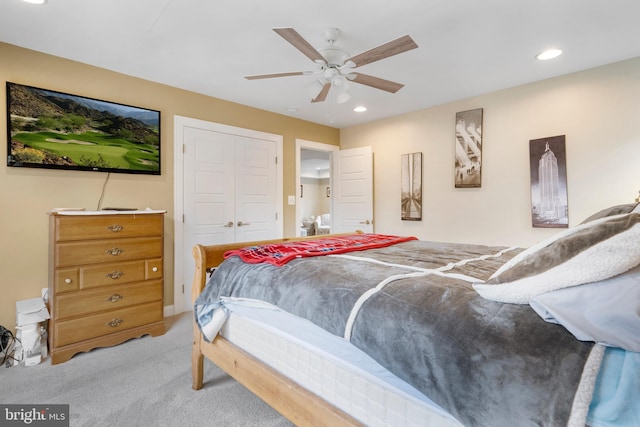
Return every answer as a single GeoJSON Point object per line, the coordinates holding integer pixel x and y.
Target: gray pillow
{"type": "Point", "coordinates": [613, 210]}
{"type": "Point", "coordinates": [589, 252]}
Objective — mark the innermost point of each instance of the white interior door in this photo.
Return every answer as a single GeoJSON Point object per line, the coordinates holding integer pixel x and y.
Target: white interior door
{"type": "Point", "coordinates": [228, 189]}
{"type": "Point", "coordinates": [352, 190]}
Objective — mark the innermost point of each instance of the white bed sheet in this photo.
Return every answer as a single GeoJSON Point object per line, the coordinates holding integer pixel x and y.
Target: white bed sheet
{"type": "Point", "coordinates": [315, 359]}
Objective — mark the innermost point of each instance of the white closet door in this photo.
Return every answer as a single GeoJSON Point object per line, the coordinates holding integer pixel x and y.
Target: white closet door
{"type": "Point", "coordinates": [230, 194]}
{"type": "Point", "coordinates": [255, 208]}
{"type": "Point", "coordinates": [209, 190]}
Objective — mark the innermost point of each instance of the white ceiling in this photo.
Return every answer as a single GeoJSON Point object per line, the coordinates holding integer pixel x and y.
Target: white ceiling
{"type": "Point", "coordinates": [466, 47]}
{"type": "Point", "coordinates": [314, 164]}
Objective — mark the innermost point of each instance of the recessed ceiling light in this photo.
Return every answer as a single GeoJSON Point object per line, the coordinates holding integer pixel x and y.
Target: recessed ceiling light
{"type": "Point", "coordinates": [360, 109]}
{"type": "Point", "coordinates": [549, 54]}
{"type": "Point", "coordinates": [35, 1]}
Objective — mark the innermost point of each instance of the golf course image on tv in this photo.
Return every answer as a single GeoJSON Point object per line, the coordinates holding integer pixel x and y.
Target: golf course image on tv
{"type": "Point", "coordinates": [49, 129]}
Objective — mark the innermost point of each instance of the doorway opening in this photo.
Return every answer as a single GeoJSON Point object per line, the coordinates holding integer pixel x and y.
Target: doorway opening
{"type": "Point", "coordinates": [313, 189]}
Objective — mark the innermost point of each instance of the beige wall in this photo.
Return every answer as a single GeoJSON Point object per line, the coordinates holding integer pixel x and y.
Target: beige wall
{"type": "Point", "coordinates": [27, 194]}
{"type": "Point", "coordinates": [315, 201]}
{"type": "Point", "coordinates": [598, 110]}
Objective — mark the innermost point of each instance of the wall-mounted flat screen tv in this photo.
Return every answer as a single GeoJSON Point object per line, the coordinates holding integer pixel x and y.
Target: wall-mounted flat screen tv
{"type": "Point", "coordinates": [55, 130]}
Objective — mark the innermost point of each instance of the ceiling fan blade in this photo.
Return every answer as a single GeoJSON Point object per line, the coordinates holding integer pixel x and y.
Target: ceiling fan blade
{"type": "Point", "coordinates": [375, 82]}
{"type": "Point", "coordinates": [269, 76]}
{"type": "Point", "coordinates": [323, 93]}
{"type": "Point", "coordinates": [292, 36]}
{"type": "Point", "coordinates": [394, 47]}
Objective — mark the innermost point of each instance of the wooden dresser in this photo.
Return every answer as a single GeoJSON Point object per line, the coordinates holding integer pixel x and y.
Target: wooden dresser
{"type": "Point", "coordinates": [105, 279]}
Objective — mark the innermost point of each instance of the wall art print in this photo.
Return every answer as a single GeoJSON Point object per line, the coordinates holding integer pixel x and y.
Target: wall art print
{"type": "Point", "coordinates": [411, 187]}
{"type": "Point", "coordinates": [549, 200]}
{"type": "Point", "coordinates": [468, 164]}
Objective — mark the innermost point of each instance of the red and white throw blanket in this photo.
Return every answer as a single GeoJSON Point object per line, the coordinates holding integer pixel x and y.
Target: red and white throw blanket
{"type": "Point", "coordinates": [279, 254]}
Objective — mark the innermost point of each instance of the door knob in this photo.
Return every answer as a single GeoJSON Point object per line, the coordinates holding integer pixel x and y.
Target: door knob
{"type": "Point", "coordinates": [229, 224]}
{"type": "Point", "coordinates": [367, 222]}
{"type": "Point", "coordinates": [240, 223]}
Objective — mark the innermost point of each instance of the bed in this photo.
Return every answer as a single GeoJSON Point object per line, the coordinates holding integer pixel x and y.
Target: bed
{"type": "Point", "coordinates": [389, 330]}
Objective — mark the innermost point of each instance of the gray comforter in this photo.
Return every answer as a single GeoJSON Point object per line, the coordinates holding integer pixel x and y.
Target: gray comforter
{"type": "Point", "coordinates": [487, 363]}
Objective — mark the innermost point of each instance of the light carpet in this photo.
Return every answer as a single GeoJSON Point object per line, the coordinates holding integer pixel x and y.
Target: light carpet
{"type": "Point", "coordinates": [143, 382]}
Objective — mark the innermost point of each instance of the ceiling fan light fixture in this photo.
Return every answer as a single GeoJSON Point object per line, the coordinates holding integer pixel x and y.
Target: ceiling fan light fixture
{"type": "Point", "coordinates": [343, 97]}
{"type": "Point", "coordinates": [340, 87]}
{"type": "Point", "coordinates": [549, 54]}
{"type": "Point", "coordinates": [338, 81]}
{"type": "Point", "coordinates": [335, 66]}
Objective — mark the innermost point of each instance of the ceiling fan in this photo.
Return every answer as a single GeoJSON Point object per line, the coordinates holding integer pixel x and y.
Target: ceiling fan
{"type": "Point", "coordinates": [335, 66]}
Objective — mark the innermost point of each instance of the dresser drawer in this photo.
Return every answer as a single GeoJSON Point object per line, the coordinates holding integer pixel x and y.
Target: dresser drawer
{"type": "Point", "coordinates": [153, 269]}
{"type": "Point", "coordinates": [88, 227]}
{"type": "Point", "coordinates": [98, 325]}
{"type": "Point", "coordinates": [73, 279]}
{"type": "Point", "coordinates": [66, 280]}
{"type": "Point", "coordinates": [108, 298]}
{"type": "Point", "coordinates": [112, 274]}
{"type": "Point", "coordinates": [111, 250]}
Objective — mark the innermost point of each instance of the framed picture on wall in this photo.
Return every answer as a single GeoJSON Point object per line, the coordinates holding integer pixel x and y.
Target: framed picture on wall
{"type": "Point", "coordinates": [468, 163]}
{"type": "Point", "coordinates": [411, 187]}
{"type": "Point", "coordinates": [549, 200]}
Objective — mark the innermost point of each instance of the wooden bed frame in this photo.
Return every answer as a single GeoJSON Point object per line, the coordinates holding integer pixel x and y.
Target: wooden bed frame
{"type": "Point", "coordinates": [294, 402]}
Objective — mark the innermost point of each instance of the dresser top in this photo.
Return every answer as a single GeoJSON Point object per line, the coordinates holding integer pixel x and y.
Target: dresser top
{"type": "Point", "coordinates": [65, 211]}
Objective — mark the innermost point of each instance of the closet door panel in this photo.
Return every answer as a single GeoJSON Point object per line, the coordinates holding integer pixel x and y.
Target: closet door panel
{"type": "Point", "coordinates": [255, 189]}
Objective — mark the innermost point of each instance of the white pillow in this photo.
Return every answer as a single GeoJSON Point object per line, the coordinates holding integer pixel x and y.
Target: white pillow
{"type": "Point", "coordinates": [587, 253]}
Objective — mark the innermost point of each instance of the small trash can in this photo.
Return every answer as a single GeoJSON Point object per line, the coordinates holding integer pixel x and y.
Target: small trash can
{"type": "Point", "coordinates": [30, 316]}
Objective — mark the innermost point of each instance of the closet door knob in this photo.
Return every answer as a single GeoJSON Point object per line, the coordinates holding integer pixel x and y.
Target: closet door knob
{"type": "Point", "coordinates": [229, 224]}
{"type": "Point", "coordinates": [240, 223]}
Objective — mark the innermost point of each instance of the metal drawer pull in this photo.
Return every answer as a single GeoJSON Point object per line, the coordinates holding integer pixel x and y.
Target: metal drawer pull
{"type": "Point", "coordinates": [154, 269]}
{"type": "Point", "coordinates": [114, 323]}
{"type": "Point", "coordinates": [114, 298]}
{"type": "Point", "coordinates": [115, 251]}
{"type": "Point", "coordinates": [67, 281]}
{"type": "Point", "coordinates": [115, 228]}
{"type": "Point", "coordinates": [114, 275]}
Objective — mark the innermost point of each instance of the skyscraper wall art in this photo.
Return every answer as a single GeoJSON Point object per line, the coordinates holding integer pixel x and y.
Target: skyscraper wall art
{"type": "Point", "coordinates": [411, 187]}
{"type": "Point", "coordinates": [468, 163]}
{"type": "Point", "coordinates": [549, 200]}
